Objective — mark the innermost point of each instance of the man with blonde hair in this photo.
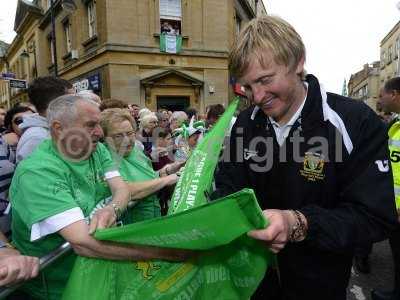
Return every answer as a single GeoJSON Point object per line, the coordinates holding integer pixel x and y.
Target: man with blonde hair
{"type": "Point", "coordinates": [317, 161]}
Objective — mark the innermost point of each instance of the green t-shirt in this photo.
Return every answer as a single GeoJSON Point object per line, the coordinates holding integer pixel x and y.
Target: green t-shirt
{"type": "Point", "coordinates": [46, 184]}
{"type": "Point", "coordinates": [137, 167]}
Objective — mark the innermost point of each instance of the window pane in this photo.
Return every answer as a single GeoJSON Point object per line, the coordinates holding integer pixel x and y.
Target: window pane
{"type": "Point", "coordinates": [67, 32]}
{"type": "Point", "coordinates": [92, 19]}
{"type": "Point", "coordinates": [170, 8]}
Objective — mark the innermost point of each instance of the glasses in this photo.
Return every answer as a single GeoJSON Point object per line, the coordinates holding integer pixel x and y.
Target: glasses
{"type": "Point", "coordinates": [18, 120]}
{"type": "Point", "coordinates": [122, 135]}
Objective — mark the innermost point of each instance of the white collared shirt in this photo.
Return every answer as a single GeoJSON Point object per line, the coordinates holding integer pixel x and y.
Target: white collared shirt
{"type": "Point", "coordinates": [282, 131]}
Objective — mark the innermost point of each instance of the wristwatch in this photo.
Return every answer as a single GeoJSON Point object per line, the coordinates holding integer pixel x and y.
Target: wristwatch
{"type": "Point", "coordinates": [299, 230]}
{"type": "Point", "coordinates": [118, 211]}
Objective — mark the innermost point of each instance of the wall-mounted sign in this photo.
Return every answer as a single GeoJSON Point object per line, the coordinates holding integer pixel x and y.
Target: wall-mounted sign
{"type": "Point", "coordinates": [90, 83]}
{"type": "Point", "coordinates": [7, 75]}
{"type": "Point", "coordinates": [18, 84]}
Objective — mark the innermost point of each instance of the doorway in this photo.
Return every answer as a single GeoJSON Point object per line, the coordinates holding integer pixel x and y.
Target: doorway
{"type": "Point", "coordinates": [173, 103]}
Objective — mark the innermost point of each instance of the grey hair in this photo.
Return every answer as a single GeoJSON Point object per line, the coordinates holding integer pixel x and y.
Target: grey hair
{"type": "Point", "coordinates": [179, 116]}
{"type": "Point", "coordinates": [64, 110]}
{"type": "Point", "coordinates": [89, 95]}
{"type": "Point", "coordinates": [144, 122]}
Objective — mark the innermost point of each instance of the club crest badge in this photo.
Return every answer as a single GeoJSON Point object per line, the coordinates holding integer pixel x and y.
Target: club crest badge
{"type": "Point", "coordinates": [313, 166]}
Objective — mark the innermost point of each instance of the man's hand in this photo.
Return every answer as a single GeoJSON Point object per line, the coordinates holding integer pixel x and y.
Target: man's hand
{"type": "Point", "coordinates": [276, 235]}
{"type": "Point", "coordinates": [17, 268]}
{"type": "Point", "coordinates": [175, 166]}
{"type": "Point", "coordinates": [103, 218]}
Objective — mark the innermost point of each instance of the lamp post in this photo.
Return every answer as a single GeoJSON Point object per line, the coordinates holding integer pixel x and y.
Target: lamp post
{"type": "Point", "coordinates": [31, 49]}
{"type": "Point", "coordinates": [69, 6]}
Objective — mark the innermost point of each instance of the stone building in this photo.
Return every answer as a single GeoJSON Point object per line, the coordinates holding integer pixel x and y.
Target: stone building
{"type": "Point", "coordinates": [389, 49]}
{"type": "Point", "coordinates": [364, 85]}
{"type": "Point", "coordinates": [116, 48]}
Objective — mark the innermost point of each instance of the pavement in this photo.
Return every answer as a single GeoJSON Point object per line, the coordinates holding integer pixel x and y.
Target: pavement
{"type": "Point", "coordinates": [381, 275]}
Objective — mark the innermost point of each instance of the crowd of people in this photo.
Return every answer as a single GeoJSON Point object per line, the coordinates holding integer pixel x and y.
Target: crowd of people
{"type": "Point", "coordinates": [318, 162]}
{"type": "Point", "coordinates": [81, 157]}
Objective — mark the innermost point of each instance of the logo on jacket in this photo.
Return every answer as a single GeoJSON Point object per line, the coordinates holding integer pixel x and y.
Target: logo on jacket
{"type": "Point", "coordinates": [383, 165]}
{"type": "Point", "coordinates": [313, 166]}
{"type": "Point", "coordinates": [249, 153]}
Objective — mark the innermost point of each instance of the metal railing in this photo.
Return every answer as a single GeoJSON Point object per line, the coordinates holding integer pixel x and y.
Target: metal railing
{"type": "Point", "coordinates": [43, 263]}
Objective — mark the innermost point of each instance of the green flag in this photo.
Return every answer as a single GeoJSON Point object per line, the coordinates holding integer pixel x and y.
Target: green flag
{"type": "Point", "coordinates": [231, 264]}
{"type": "Point", "coordinates": [195, 182]}
{"type": "Point", "coordinates": [170, 43]}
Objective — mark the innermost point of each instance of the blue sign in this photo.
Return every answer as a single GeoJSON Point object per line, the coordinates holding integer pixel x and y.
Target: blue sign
{"type": "Point", "coordinates": [8, 75]}
{"type": "Point", "coordinates": [92, 82]}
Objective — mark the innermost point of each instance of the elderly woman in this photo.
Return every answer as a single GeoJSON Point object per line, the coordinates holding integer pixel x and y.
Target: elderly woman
{"type": "Point", "coordinates": [147, 125]}
{"type": "Point", "coordinates": [135, 167]}
{"type": "Point", "coordinates": [177, 119]}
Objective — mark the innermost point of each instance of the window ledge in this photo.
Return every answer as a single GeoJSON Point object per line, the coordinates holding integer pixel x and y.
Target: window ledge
{"type": "Point", "coordinates": [184, 37]}
{"type": "Point", "coordinates": [89, 41]}
{"type": "Point", "coordinates": [67, 56]}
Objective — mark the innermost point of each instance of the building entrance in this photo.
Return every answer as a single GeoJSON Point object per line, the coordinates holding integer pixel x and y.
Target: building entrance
{"type": "Point", "coordinates": [173, 103]}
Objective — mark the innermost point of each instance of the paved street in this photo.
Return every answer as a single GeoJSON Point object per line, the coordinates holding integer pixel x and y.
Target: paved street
{"type": "Point", "coordinates": [381, 274]}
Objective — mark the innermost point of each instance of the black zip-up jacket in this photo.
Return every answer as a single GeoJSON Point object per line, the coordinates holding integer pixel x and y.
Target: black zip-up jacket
{"type": "Point", "coordinates": [338, 176]}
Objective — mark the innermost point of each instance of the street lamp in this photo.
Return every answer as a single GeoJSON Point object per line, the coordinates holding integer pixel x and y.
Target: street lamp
{"type": "Point", "coordinates": [31, 49]}
{"type": "Point", "coordinates": [69, 6]}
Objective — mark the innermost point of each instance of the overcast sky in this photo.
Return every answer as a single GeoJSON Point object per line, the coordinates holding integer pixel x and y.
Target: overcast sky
{"type": "Point", "coordinates": [340, 35]}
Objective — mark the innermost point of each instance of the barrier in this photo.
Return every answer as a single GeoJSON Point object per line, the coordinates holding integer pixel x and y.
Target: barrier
{"type": "Point", "coordinates": [43, 263]}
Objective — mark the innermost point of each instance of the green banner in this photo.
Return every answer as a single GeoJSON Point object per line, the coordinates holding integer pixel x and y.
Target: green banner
{"type": "Point", "coordinates": [195, 182]}
{"type": "Point", "coordinates": [170, 43]}
{"type": "Point", "coordinates": [230, 266]}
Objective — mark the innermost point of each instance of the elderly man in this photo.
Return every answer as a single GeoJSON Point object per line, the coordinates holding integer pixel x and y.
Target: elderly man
{"type": "Point", "coordinates": [57, 188]}
{"type": "Point", "coordinates": [317, 161]}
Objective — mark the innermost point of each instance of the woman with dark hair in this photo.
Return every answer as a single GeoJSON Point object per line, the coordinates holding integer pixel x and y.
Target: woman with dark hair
{"type": "Point", "coordinates": [13, 118]}
{"type": "Point", "coordinates": [8, 144]}
{"type": "Point", "coordinates": [162, 151]}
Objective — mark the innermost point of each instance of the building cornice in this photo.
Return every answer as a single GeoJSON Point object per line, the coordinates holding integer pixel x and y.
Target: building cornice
{"type": "Point", "coordinates": [391, 32]}
{"type": "Point", "coordinates": [25, 11]}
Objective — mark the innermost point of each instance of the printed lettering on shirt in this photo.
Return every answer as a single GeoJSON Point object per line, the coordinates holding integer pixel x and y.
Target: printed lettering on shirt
{"type": "Point", "coordinates": [383, 165]}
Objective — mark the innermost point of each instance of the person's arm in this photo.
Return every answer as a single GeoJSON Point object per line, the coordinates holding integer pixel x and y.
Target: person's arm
{"type": "Point", "coordinates": [15, 267]}
{"type": "Point", "coordinates": [171, 168]}
{"type": "Point", "coordinates": [139, 190]}
{"type": "Point", "coordinates": [284, 226]}
{"type": "Point", "coordinates": [364, 213]}
{"type": "Point", "coordinates": [108, 215]}
{"type": "Point", "coordinates": [85, 245]}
